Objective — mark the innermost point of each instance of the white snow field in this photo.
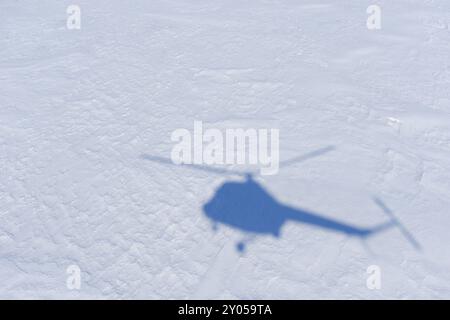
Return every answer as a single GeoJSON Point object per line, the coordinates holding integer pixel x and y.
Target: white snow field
{"type": "Point", "coordinates": [79, 108]}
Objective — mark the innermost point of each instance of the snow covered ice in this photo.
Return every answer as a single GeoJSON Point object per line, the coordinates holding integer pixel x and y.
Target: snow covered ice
{"type": "Point", "coordinates": [80, 107]}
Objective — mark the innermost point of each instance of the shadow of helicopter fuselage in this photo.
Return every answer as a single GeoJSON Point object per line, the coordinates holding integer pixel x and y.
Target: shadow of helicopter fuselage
{"type": "Point", "coordinates": [249, 207]}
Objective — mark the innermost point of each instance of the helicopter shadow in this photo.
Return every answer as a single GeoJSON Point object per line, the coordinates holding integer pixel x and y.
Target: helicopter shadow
{"type": "Point", "coordinates": [247, 206]}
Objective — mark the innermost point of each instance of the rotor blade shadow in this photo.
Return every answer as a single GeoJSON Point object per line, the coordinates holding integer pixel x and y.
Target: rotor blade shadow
{"type": "Point", "coordinates": [209, 169]}
{"type": "Point", "coordinates": [307, 156]}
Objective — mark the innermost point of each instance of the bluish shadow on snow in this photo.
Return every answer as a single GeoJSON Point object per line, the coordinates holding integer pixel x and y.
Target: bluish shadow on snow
{"type": "Point", "coordinates": [398, 224]}
{"type": "Point", "coordinates": [247, 206]}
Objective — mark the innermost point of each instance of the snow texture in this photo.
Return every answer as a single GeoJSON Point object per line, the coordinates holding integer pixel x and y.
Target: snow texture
{"type": "Point", "coordinates": [79, 108]}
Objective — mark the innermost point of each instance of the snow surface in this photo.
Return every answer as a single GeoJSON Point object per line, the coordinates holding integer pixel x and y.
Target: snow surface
{"type": "Point", "coordinates": [78, 108]}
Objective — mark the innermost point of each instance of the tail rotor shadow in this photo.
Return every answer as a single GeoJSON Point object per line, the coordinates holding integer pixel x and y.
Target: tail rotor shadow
{"type": "Point", "coordinates": [395, 222]}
